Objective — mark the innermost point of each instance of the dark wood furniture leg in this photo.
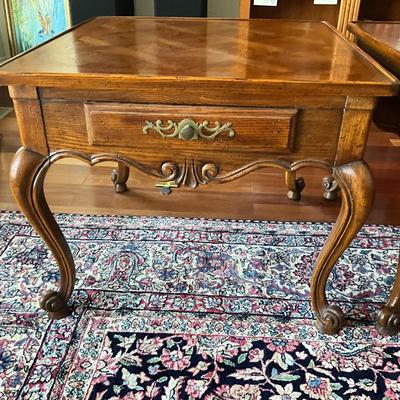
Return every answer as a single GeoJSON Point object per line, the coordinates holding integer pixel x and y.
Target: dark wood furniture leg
{"type": "Point", "coordinates": [388, 322]}
{"type": "Point", "coordinates": [356, 184]}
{"type": "Point", "coordinates": [119, 177]}
{"type": "Point", "coordinates": [295, 185]}
{"type": "Point", "coordinates": [28, 171]}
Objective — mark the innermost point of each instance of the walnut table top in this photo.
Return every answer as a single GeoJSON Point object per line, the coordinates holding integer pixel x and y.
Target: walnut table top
{"type": "Point", "coordinates": [131, 49]}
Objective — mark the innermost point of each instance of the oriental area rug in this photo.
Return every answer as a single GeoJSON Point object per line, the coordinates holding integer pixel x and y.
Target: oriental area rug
{"type": "Point", "coordinates": [170, 309]}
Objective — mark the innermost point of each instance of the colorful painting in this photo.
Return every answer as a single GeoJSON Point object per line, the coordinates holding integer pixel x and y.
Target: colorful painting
{"type": "Point", "coordinates": [35, 21]}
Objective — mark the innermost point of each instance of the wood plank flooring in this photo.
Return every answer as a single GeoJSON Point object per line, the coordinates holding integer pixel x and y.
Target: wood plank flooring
{"type": "Point", "coordinates": [73, 187]}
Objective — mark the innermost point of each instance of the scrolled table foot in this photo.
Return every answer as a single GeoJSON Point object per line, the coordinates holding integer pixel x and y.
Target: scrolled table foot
{"type": "Point", "coordinates": [388, 322]}
{"type": "Point", "coordinates": [119, 187]}
{"type": "Point", "coordinates": [331, 320]}
{"type": "Point", "coordinates": [331, 188]}
{"type": "Point", "coordinates": [295, 185]}
{"type": "Point", "coordinates": [119, 177]}
{"type": "Point", "coordinates": [55, 305]}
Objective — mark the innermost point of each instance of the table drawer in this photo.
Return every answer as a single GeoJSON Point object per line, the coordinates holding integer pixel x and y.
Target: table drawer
{"type": "Point", "coordinates": [266, 130]}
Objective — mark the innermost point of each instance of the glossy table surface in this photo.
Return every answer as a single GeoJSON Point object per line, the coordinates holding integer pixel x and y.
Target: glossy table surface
{"type": "Point", "coordinates": [131, 48]}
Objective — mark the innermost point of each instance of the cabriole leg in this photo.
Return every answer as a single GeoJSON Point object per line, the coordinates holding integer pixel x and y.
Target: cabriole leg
{"type": "Point", "coordinates": [389, 317]}
{"type": "Point", "coordinates": [356, 184]}
{"type": "Point", "coordinates": [119, 177]}
{"type": "Point", "coordinates": [28, 171]}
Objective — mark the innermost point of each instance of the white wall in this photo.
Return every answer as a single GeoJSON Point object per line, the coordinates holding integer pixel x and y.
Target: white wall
{"type": "Point", "coordinates": [216, 8]}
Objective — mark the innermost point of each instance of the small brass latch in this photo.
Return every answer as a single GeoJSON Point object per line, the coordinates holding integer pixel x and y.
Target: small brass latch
{"type": "Point", "coordinates": [165, 187]}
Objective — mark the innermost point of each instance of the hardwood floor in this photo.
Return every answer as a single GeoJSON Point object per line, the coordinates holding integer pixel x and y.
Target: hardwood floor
{"type": "Point", "coordinates": [73, 187]}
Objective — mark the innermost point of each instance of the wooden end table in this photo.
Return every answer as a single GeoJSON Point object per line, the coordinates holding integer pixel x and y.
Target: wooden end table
{"type": "Point", "coordinates": [194, 102]}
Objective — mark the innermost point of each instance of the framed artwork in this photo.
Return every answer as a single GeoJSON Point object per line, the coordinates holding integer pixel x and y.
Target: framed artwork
{"type": "Point", "coordinates": [31, 22]}
{"type": "Point", "coordinates": [4, 39]}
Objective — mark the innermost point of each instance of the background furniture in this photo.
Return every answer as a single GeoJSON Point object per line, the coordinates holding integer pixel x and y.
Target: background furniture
{"type": "Point", "coordinates": [382, 41]}
{"type": "Point", "coordinates": [338, 15]}
{"type": "Point", "coordinates": [84, 9]}
{"type": "Point", "coordinates": [197, 115]}
{"type": "Point", "coordinates": [382, 10]}
{"type": "Point", "coordinates": [180, 8]}
{"type": "Point", "coordinates": [215, 8]}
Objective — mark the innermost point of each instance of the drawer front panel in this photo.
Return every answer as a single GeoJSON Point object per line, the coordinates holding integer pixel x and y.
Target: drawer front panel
{"type": "Point", "coordinates": [315, 134]}
{"type": "Point", "coordinates": [265, 130]}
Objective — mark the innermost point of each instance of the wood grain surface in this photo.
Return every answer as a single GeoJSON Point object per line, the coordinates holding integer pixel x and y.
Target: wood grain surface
{"type": "Point", "coordinates": [129, 50]}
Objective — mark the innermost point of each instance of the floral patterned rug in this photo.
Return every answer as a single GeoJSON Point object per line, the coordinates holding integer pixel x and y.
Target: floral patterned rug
{"type": "Point", "coordinates": [171, 309]}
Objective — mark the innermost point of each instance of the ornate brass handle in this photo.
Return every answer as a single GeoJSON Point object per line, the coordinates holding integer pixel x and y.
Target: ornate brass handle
{"type": "Point", "coordinates": [188, 129]}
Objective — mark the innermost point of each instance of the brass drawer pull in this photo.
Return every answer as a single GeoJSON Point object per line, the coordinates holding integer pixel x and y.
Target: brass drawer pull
{"type": "Point", "coordinates": [188, 129]}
